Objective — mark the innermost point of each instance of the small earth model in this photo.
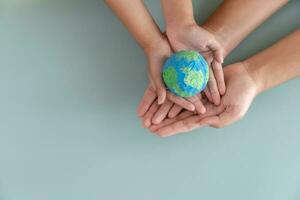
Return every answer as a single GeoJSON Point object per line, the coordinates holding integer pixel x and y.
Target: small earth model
{"type": "Point", "coordinates": [185, 73]}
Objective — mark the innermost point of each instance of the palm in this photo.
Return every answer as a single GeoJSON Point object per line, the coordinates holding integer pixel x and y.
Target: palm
{"type": "Point", "coordinates": [239, 96]}
{"type": "Point", "coordinates": [149, 104]}
{"type": "Point", "coordinates": [193, 37]}
{"type": "Point", "coordinates": [240, 92]}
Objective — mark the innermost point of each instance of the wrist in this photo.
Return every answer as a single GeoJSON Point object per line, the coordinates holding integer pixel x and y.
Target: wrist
{"type": "Point", "coordinates": [177, 14]}
{"type": "Point", "coordinates": [176, 29]}
{"type": "Point", "coordinates": [254, 74]}
{"type": "Point", "coordinates": [222, 39]}
{"type": "Point", "coordinates": [151, 45]}
{"type": "Point", "coordinates": [159, 47]}
{"type": "Point", "coordinates": [175, 24]}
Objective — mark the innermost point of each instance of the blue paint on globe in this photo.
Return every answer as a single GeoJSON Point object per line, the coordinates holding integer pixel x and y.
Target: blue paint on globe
{"type": "Point", "coordinates": [185, 73]}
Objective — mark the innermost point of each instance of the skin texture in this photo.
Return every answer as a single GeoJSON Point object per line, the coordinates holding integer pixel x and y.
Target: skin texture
{"type": "Point", "coordinates": [155, 45]}
{"type": "Point", "coordinates": [241, 90]}
{"type": "Point", "coordinates": [230, 28]}
{"type": "Point", "coordinates": [167, 114]}
{"type": "Point", "coordinates": [244, 81]}
{"type": "Point", "coordinates": [184, 34]}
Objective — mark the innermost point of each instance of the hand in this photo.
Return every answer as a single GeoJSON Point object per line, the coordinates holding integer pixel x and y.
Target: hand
{"type": "Point", "coordinates": [193, 37]}
{"type": "Point", "coordinates": [196, 38]}
{"type": "Point", "coordinates": [156, 56]}
{"type": "Point", "coordinates": [151, 113]}
{"type": "Point", "coordinates": [148, 106]}
{"type": "Point", "coordinates": [241, 90]}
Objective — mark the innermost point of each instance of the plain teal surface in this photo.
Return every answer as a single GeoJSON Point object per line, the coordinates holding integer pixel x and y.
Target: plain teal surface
{"type": "Point", "coordinates": [70, 80]}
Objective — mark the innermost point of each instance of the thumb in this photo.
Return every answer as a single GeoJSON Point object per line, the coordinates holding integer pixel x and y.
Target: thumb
{"type": "Point", "coordinates": [217, 51]}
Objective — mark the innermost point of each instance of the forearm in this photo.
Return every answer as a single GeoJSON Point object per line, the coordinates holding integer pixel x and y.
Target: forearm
{"type": "Point", "coordinates": [177, 13]}
{"type": "Point", "coordinates": [235, 19]}
{"type": "Point", "coordinates": [276, 64]}
{"type": "Point", "coordinates": [138, 21]}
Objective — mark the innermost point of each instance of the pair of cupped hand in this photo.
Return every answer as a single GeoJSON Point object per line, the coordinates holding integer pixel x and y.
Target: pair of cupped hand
{"type": "Point", "coordinates": [165, 114]}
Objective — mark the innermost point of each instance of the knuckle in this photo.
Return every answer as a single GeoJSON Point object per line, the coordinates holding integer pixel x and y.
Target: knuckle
{"type": "Point", "coordinates": [151, 89]}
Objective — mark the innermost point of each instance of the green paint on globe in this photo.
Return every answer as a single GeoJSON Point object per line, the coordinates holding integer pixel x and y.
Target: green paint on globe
{"type": "Point", "coordinates": [188, 55]}
{"type": "Point", "coordinates": [193, 77]}
{"type": "Point", "coordinates": [170, 78]}
{"type": "Point", "coordinates": [185, 73]}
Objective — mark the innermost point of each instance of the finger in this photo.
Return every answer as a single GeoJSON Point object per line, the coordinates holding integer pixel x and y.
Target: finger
{"type": "Point", "coordinates": [199, 107]}
{"type": "Point", "coordinates": [218, 52]}
{"type": "Point", "coordinates": [175, 110]}
{"type": "Point", "coordinates": [168, 121]}
{"type": "Point", "coordinates": [147, 100]}
{"type": "Point", "coordinates": [211, 82]}
{"type": "Point", "coordinates": [208, 58]}
{"type": "Point", "coordinates": [161, 95]}
{"type": "Point", "coordinates": [184, 125]}
{"type": "Point", "coordinates": [162, 112]}
{"type": "Point", "coordinates": [156, 77]}
{"type": "Point", "coordinates": [149, 114]}
{"type": "Point", "coordinates": [219, 76]}
{"type": "Point", "coordinates": [203, 98]}
{"type": "Point", "coordinates": [181, 102]}
{"type": "Point", "coordinates": [213, 88]}
{"type": "Point", "coordinates": [207, 94]}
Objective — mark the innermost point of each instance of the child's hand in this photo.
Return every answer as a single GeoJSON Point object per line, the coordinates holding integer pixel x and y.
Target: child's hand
{"type": "Point", "coordinates": [193, 37]}
{"type": "Point", "coordinates": [156, 92]}
{"type": "Point", "coordinates": [156, 54]}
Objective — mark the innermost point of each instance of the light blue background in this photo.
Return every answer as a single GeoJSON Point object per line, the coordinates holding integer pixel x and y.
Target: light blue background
{"type": "Point", "coordinates": [70, 80]}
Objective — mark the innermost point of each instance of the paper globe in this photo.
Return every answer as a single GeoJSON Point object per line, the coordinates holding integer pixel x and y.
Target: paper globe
{"type": "Point", "coordinates": [185, 73]}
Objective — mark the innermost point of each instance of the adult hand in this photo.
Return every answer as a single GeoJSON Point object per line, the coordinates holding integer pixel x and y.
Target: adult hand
{"type": "Point", "coordinates": [241, 90]}
{"type": "Point", "coordinates": [193, 37]}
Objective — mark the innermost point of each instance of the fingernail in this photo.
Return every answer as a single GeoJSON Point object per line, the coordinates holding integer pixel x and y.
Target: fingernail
{"type": "Point", "coordinates": [160, 100]}
{"type": "Point", "coordinates": [193, 108]}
